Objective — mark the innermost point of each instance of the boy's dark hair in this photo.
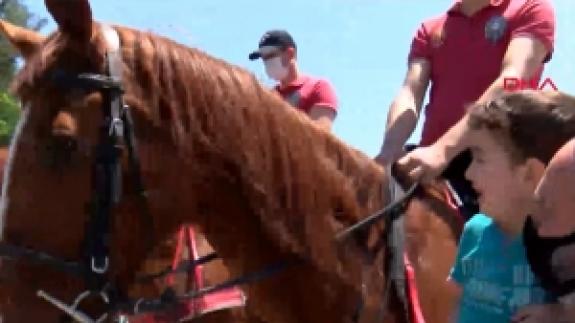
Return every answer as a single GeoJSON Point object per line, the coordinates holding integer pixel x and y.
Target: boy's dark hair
{"type": "Point", "coordinates": [529, 124]}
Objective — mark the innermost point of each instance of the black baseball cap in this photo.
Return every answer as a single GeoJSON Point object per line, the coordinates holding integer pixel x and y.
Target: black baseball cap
{"type": "Point", "coordinates": [273, 38]}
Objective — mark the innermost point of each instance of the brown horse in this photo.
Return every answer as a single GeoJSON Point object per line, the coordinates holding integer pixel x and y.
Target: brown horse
{"type": "Point", "coordinates": [262, 182]}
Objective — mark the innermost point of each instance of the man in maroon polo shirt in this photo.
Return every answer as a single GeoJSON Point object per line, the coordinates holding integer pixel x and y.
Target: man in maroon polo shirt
{"type": "Point", "coordinates": [465, 54]}
{"type": "Point", "coordinates": [311, 95]}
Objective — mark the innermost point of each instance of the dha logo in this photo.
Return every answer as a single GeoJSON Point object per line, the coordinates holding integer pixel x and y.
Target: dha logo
{"type": "Point", "coordinates": [512, 84]}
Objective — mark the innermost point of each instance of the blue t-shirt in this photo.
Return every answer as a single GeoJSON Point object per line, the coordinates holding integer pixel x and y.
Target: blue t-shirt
{"type": "Point", "coordinates": [494, 274]}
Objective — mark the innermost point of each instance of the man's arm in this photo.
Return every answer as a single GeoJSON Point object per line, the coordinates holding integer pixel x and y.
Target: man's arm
{"type": "Point", "coordinates": [523, 58]}
{"type": "Point", "coordinates": [324, 109]}
{"type": "Point", "coordinates": [323, 116]}
{"type": "Point", "coordinates": [404, 110]}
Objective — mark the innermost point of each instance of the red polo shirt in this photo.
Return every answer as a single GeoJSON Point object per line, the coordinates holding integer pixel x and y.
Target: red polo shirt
{"type": "Point", "coordinates": [466, 54]}
{"type": "Point", "coordinates": [307, 91]}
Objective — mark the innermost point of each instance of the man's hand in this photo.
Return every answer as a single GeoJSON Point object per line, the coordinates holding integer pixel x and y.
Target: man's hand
{"type": "Point", "coordinates": [424, 164]}
{"type": "Point", "coordinates": [549, 313]}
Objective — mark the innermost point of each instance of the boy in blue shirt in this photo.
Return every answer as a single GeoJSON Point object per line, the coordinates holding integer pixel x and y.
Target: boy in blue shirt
{"type": "Point", "coordinates": [512, 139]}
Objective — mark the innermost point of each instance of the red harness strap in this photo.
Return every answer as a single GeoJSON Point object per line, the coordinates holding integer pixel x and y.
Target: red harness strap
{"type": "Point", "coordinates": [415, 307]}
{"type": "Point", "coordinates": [224, 299]}
{"type": "Point", "coordinates": [186, 237]}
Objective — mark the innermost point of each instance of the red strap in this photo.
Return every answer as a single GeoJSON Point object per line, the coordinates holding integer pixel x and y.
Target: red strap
{"type": "Point", "coordinates": [186, 236]}
{"type": "Point", "coordinates": [415, 307]}
{"type": "Point", "coordinates": [450, 201]}
{"type": "Point", "coordinates": [228, 298]}
{"type": "Point", "coordinates": [193, 249]}
{"type": "Point", "coordinates": [177, 255]}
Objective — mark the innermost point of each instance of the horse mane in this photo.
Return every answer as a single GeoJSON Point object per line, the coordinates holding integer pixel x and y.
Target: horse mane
{"type": "Point", "coordinates": [303, 182]}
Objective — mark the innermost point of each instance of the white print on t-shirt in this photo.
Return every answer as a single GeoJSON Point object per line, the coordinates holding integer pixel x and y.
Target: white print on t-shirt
{"type": "Point", "coordinates": [496, 297]}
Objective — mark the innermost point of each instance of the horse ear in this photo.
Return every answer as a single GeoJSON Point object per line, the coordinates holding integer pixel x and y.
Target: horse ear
{"type": "Point", "coordinates": [26, 41]}
{"type": "Point", "coordinates": [74, 17]}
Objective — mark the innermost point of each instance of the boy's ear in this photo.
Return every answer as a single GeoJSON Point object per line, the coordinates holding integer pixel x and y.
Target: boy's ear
{"type": "Point", "coordinates": [534, 169]}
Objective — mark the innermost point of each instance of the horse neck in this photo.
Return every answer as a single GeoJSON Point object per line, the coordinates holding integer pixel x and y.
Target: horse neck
{"type": "Point", "coordinates": [244, 164]}
{"type": "Point", "coordinates": [264, 184]}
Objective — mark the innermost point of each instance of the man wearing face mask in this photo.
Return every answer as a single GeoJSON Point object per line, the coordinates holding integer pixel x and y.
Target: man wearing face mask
{"type": "Point", "coordinates": [311, 95]}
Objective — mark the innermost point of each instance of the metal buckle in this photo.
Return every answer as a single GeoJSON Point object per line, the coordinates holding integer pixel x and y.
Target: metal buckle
{"type": "Point", "coordinates": [116, 127]}
{"type": "Point", "coordinates": [72, 310]}
{"type": "Point", "coordinates": [100, 270]}
{"type": "Point", "coordinates": [137, 306]}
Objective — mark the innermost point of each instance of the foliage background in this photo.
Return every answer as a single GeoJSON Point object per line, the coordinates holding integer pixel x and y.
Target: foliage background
{"type": "Point", "coordinates": [16, 12]}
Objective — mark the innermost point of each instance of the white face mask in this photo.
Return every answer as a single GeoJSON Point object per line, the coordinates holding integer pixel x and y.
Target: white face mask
{"type": "Point", "coordinates": [275, 68]}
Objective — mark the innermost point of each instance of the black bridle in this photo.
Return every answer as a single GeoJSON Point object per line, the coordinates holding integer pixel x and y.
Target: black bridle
{"type": "Point", "coordinates": [116, 135]}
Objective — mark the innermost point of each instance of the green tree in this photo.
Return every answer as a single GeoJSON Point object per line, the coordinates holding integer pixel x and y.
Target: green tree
{"type": "Point", "coordinates": [16, 12]}
{"type": "Point", "coordinates": [9, 114]}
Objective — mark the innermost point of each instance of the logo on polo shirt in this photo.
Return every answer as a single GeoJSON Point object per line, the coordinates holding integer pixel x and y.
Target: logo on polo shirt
{"type": "Point", "coordinates": [495, 28]}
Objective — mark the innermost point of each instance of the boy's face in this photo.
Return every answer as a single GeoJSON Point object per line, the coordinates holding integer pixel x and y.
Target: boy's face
{"type": "Point", "coordinates": [504, 190]}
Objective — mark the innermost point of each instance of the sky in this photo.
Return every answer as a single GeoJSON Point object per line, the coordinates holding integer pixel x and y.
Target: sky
{"type": "Point", "coordinates": [360, 46]}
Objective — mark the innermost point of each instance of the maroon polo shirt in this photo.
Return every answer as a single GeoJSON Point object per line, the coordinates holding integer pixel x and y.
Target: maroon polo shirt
{"type": "Point", "coordinates": [466, 54]}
